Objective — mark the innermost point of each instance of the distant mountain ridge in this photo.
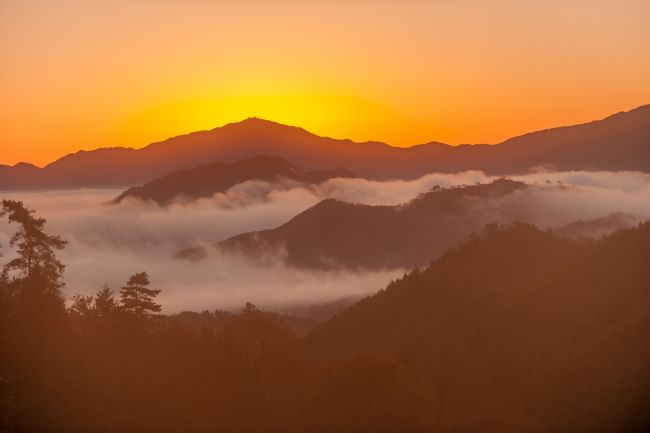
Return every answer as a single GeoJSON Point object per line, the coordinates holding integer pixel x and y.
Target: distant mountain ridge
{"type": "Point", "coordinates": [209, 179]}
{"type": "Point", "coordinates": [618, 142]}
{"type": "Point", "coordinates": [335, 234]}
{"type": "Point", "coordinates": [599, 227]}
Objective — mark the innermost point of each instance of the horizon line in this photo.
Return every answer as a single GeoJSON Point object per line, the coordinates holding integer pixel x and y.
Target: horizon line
{"type": "Point", "coordinates": [255, 117]}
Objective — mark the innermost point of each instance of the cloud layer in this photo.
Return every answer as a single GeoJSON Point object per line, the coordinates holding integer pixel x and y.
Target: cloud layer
{"type": "Point", "coordinates": [107, 243]}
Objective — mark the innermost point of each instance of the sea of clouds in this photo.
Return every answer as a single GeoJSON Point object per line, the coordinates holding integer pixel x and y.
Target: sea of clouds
{"type": "Point", "coordinates": [108, 243]}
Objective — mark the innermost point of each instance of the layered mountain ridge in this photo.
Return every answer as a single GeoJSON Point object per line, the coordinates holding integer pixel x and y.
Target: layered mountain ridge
{"type": "Point", "coordinates": [618, 142]}
{"type": "Point", "coordinates": [209, 179]}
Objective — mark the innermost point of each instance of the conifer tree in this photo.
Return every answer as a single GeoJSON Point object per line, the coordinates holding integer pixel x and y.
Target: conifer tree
{"type": "Point", "coordinates": [35, 248]}
{"type": "Point", "coordinates": [137, 298]}
{"type": "Point", "coordinates": [34, 277]}
{"type": "Point", "coordinates": [105, 302]}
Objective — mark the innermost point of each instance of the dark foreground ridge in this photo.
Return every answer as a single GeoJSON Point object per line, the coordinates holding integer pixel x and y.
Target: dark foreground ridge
{"type": "Point", "coordinates": [515, 330]}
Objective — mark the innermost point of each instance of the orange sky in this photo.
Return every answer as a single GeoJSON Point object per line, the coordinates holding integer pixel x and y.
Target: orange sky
{"type": "Point", "coordinates": [82, 74]}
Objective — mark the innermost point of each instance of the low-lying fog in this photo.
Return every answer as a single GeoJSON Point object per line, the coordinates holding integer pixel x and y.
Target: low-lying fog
{"type": "Point", "coordinates": [108, 243]}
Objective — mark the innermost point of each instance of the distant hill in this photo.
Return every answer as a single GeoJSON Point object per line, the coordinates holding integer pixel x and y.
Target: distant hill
{"type": "Point", "coordinates": [207, 180]}
{"type": "Point", "coordinates": [335, 234]}
{"type": "Point", "coordinates": [599, 227]}
{"type": "Point", "coordinates": [217, 320]}
{"type": "Point", "coordinates": [518, 330]}
{"type": "Point", "coordinates": [619, 142]}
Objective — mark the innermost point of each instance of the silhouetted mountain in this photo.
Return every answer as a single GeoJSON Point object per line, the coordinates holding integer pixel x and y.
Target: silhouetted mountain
{"type": "Point", "coordinates": [335, 233]}
{"type": "Point", "coordinates": [619, 142]}
{"type": "Point", "coordinates": [518, 330]}
{"type": "Point", "coordinates": [207, 180]}
{"type": "Point", "coordinates": [598, 227]}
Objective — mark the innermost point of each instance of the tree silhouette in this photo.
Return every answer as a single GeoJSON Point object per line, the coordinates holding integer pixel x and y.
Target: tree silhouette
{"type": "Point", "coordinates": [82, 306]}
{"type": "Point", "coordinates": [33, 314]}
{"type": "Point", "coordinates": [105, 303]}
{"type": "Point", "coordinates": [35, 248]}
{"type": "Point", "coordinates": [33, 278]}
{"type": "Point", "coordinates": [137, 298]}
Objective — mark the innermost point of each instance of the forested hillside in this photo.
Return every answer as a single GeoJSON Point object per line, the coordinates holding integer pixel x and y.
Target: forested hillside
{"type": "Point", "coordinates": [514, 330]}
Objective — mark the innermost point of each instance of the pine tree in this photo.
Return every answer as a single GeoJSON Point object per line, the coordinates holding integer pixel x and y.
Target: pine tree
{"type": "Point", "coordinates": [105, 302]}
{"type": "Point", "coordinates": [137, 298]}
{"type": "Point", "coordinates": [35, 248]}
{"type": "Point", "coordinates": [34, 277]}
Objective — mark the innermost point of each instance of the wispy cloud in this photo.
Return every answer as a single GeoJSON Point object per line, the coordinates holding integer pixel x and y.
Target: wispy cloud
{"type": "Point", "coordinates": [108, 243]}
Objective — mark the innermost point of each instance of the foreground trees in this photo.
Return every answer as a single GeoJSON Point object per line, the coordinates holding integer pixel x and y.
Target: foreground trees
{"type": "Point", "coordinates": [33, 279]}
{"type": "Point", "coordinates": [33, 318]}
{"type": "Point", "coordinates": [514, 331]}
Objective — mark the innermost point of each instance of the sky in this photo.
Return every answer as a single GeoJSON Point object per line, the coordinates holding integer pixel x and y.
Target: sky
{"type": "Point", "coordinates": [83, 74]}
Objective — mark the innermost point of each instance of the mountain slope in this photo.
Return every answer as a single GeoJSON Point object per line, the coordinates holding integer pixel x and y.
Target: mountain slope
{"type": "Point", "coordinates": [598, 227]}
{"type": "Point", "coordinates": [207, 180]}
{"type": "Point", "coordinates": [519, 331]}
{"type": "Point", "coordinates": [619, 142]}
{"type": "Point", "coordinates": [335, 234]}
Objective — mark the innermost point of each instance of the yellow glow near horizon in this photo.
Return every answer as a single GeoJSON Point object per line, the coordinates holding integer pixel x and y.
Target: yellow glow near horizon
{"type": "Point", "coordinates": [82, 74]}
{"type": "Point", "coordinates": [319, 113]}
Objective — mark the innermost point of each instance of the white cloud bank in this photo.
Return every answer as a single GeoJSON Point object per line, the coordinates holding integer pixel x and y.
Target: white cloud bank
{"type": "Point", "coordinates": [107, 243]}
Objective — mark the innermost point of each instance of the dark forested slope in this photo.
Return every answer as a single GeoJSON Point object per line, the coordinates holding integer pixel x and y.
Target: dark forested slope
{"type": "Point", "coordinates": [519, 328]}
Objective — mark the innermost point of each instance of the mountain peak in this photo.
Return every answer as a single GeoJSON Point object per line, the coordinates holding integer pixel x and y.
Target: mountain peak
{"type": "Point", "coordinates": [24, 166]}
{"type": "Point", "coordinates": [256, 123]}
{"type": "Point", "coordinates": [260, 121]}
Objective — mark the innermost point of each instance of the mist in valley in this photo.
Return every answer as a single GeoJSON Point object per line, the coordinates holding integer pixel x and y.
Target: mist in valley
{"type": "Point", "coordinates": [109, 242]}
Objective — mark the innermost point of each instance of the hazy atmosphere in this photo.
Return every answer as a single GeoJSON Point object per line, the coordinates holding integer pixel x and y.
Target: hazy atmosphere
{"type": "Point", "coordinates": [134, 235]}
{"type": "Point", "coordinates": [310, 216]}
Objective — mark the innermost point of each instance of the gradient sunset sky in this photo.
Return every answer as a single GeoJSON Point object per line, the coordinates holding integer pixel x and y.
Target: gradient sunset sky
{"type": "Point", "coordinates": [82, 74]}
